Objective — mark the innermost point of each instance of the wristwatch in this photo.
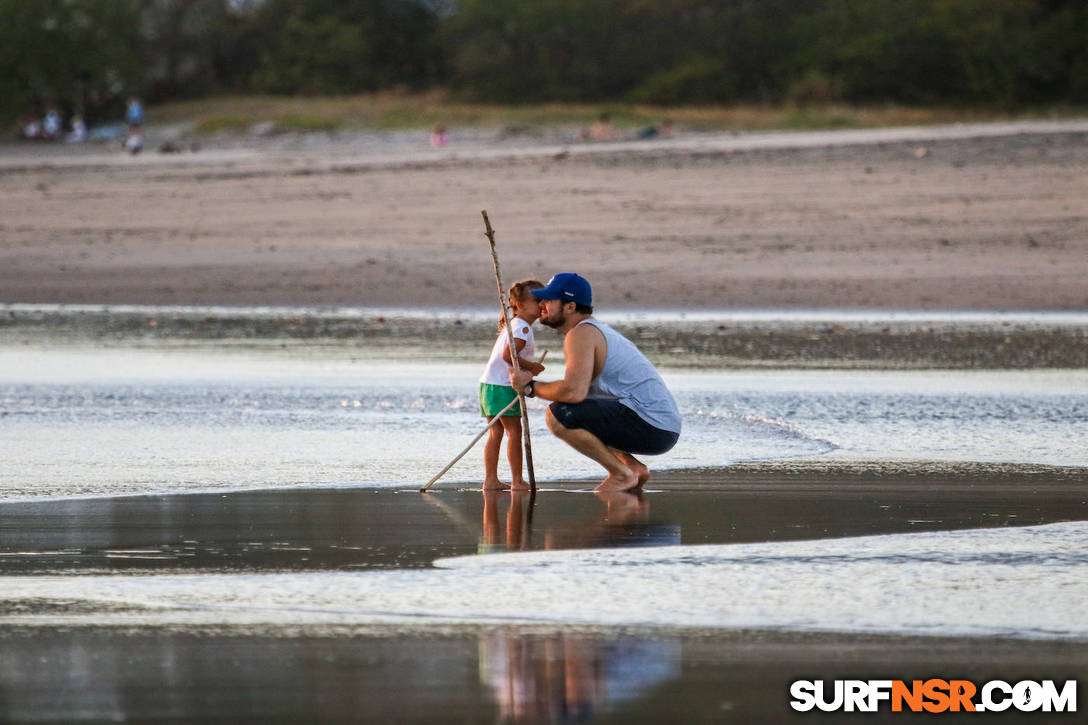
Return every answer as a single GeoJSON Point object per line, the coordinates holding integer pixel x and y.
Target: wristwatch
{"type": "Point", "coordinates": [529, 391]}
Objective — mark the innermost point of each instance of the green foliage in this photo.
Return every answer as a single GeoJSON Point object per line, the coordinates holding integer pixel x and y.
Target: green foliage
{"type": "Point", "coordinates": [187, 45]}
{"type": "Point", "coordinates": [997, 52]}
{"type": "Point", "coordinates": [217, 124]}
{"type": "Point", "coordinates": [309, 123]}
{"type": "Point", "coordinates": [803, 120]}
{"type": "Point", "coordinates": [888, 51]}
{"type": "Point", "coordinates": [700, 80]}
{"type": "Point", "coordinates": [814, 87]}
{"type": "Point", "coordinates": [406, 118]}
{"type": "Point", "coordinates": [72, 54]}
{"type": "Point", "coordinates": [1000, 53]}
{"type": "Point", "coordinates": [564, 50]}
{"type": "Point", "coordinates": [333, 46]}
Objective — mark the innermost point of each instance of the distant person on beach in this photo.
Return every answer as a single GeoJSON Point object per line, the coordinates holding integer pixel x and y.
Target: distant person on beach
{"type": "Point", "coordinates": [134, 112]}
{"type": "Point", "coordinates": [79, 129]}
{"type": "Point", "coordinates": [439, 137]}
{"type": "Point", "coordinates": [662, 131]}
{"type": "Point", "coordinates": [495, 390]}
{"type": "Point", "coordinates": [134, 118]}
{"type": "Point", "coordinates": [601, 130]}
{"type": "Point", "coordinates": [134, 140]}
{"type": "Point", "coordinates": [32, 129]}
{"type": "Point", "coordinates": [611, 402]}
{"type": "Point", "coordinates": [52, 125]}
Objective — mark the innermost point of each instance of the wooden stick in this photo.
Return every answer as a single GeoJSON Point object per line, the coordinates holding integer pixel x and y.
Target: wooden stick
{"type": "Point", "coordinates": [513, 352]}
{"type": "Point", "coordinates": [469, 446]}
{"type": "Point", "coordinates": [479, 435]}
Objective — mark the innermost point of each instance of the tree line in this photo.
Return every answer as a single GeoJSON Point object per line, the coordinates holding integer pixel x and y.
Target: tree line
{"type": "Point", "coordinates": [1002, 53]}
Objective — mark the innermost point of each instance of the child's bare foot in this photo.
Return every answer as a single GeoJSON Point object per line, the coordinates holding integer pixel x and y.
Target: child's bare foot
{"type": "Point", "coordinates": [519, 485]}
{"type": "Point", "coordinates": [623, 482]}
{"type": "Point", "coordinates": [495, 485]}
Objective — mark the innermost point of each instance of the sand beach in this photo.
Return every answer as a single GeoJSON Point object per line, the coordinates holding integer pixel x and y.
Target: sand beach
{"type": "Point", "coordinates": [986, 216]}
{"type": "Point", "coordinates": [224, 374]}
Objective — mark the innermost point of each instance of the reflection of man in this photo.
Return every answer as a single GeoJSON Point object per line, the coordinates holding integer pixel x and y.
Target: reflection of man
{"type": "Point", "coordinates": [611, 402]}
{"type": "Point", "coordinates": [562, 677]}
{"type": "Point", "coordinates": [625, 522]}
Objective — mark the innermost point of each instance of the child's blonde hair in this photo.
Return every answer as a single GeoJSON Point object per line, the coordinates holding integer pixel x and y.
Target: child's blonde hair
{"type": "Point", "coordinates": [517, 291]}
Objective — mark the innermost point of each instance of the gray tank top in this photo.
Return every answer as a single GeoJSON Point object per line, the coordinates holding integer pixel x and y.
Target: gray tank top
{"type": "Point", "coordinates": [630, 379]}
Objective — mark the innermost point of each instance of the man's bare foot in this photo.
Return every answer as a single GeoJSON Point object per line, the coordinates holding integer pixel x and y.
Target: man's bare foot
{"type": "Point", "coordinates": [519, 485]}
{"type": "Point", "coordinates": [623, 482]}
{"type": "Point", "coordinates": [642, 472]}
{"type": "Point", "coordinates": [495, 485]}
{"type": "Point", "coordinates": [638, 467]}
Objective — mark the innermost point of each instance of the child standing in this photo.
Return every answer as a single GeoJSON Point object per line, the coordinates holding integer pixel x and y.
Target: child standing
{"type": "Point", "coordinates": [496, 392]}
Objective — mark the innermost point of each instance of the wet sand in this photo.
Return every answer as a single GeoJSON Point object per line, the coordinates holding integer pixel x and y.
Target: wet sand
{"type": "Point", "coordinates": [705, 339]}
{"type": "Point", "coordinates": [365, 528]}
{"type": "Point", "coordinates": [988, 217]}
{"type": "Point", "coordinates": [58, 661]}
{"type": "Point", "coordinates": [481, 676]}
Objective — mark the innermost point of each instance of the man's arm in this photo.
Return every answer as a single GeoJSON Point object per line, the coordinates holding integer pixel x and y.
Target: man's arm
{"type": "Point", "coordinates": [579, 347]}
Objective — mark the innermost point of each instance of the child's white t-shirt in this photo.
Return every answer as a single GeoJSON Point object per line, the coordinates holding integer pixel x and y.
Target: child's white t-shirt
{"type": "Point", "coordinates": [497, 371]}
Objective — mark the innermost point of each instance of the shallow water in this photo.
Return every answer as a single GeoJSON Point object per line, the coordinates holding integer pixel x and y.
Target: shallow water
{"type": "Point", "coordinates": [455, 607]}
{"type": "Point", "coordinates": [496, 675]}
{"type": "Point", "coordinates": [78, 422]}
{"type": "Point", "coordinates": [338, 591]}
{"type": "Point", "coordinates": [356, 529]}
{"type": "Point", "coordinates": [667, 559]}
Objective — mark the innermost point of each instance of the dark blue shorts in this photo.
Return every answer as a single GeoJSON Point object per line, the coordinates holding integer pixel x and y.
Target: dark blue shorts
{"type": "Point", "coordinates": [616, 425]}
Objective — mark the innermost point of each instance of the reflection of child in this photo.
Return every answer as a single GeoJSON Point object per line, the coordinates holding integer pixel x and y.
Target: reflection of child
{"type": "Point", "coordinates": [516, 529]}
{"type": "Point", "coordinates": [495, 390]}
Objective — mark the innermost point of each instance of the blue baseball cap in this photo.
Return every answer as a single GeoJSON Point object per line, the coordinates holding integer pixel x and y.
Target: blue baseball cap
{"type": "Point", "coordinates": [568, 287]}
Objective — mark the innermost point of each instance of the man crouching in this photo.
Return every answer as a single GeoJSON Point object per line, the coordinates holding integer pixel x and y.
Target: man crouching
{"type": "Point", "coordinates": [611, 402]}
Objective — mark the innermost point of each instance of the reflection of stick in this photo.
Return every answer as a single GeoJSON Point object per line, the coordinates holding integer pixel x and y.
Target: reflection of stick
{"type": "Point", "coordinates": [513, 352]}
{"type": "Point", "coordinates": [527, 533]}
{"type": "Point", "coordinates": [455, 516]}
{"type": "Point", "coordinates": [479, 435]}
